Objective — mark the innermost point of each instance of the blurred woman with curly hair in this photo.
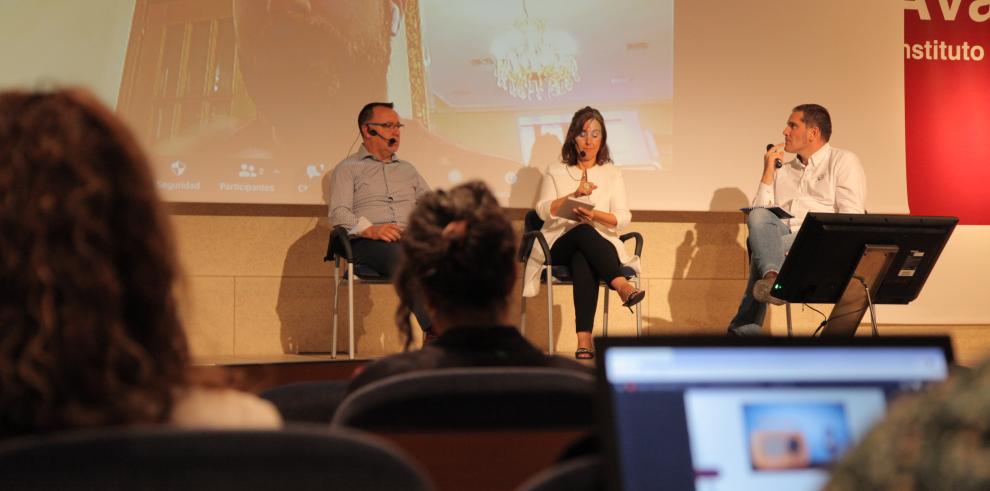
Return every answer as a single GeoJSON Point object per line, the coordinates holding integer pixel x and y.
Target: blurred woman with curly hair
{"type": "Point", "coordinates": [90, 333]}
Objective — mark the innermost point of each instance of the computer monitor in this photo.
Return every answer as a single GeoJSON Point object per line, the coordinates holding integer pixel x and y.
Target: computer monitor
{"type": "Point", "coordinates": [692, 413]}
{"type": "Point", "coordinates": [829, 246]}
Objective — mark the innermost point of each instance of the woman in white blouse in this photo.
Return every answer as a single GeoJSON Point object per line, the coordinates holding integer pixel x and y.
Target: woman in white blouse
{"type": "Point", "coordinates": [590, 245]}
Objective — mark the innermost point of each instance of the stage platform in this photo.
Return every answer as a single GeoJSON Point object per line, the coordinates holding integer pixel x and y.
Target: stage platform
{"type": "Point", "coordinates": [255, 374]}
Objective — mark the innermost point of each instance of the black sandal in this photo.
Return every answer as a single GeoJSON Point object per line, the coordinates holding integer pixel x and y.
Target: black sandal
{"type": "Point", "coordinates": [635, 297]}
{"type": "Point", "coordinates": [584, 354]}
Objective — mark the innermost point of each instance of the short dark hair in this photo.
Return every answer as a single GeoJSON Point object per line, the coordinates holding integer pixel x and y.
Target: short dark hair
{"type": "Point", "coordinates": [569, 152]}
{"type": "Point", "coordinates": [816, 116]}
{"type": "Point", "coordinates": [365, 115]}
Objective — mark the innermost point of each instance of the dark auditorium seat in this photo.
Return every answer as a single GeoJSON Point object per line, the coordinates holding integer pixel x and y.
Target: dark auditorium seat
{"type": "Point", "coordinates": [582, 474]}
{"type": "Point", "coordinates": [170, 459]}
{"type": "Point", "coordinates": [476, 428]}
{"type": "Point", "coordinates": [481, 397]}
{"type": "Point", "coordinates": [307, 402]}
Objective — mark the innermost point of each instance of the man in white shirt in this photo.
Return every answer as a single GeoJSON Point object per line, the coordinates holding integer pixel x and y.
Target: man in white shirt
{"type": "Point", "coordinates": [820, 178]}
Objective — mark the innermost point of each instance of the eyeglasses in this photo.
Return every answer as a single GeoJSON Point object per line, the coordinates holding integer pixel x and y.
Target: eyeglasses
{"type": "Point", "coordinates": [388, 126]}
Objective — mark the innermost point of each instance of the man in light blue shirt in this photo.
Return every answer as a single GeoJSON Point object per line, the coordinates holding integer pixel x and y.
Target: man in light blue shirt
{"type": "Point", "coordinates": [372, 193]}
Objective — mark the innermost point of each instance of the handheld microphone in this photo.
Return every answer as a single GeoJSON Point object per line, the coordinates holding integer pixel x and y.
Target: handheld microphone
{"type": "Point", "coordinates": [776, 162]}
{"type": "Point", "coordinates": [391, 141]}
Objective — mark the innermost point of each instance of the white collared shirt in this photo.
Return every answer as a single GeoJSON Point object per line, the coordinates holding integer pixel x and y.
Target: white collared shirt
{"type": "Point", "coordinates": [833, 181]}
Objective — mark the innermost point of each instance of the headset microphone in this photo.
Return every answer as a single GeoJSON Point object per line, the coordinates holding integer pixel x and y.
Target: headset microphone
{"type": "Point", "coordinates": [391, 141]}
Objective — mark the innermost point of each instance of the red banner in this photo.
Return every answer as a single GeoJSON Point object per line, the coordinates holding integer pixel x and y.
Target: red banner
{"type": "Point", "coordinates": [947, 108]}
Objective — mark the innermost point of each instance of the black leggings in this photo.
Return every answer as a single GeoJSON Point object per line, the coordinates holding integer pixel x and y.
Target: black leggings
{"type": "Point", "coordinates": [591, 258]}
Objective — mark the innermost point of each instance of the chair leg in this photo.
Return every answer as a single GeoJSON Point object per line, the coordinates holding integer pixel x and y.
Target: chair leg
{"type": "Point", "coordinates": [549, 309]}
{"type": "Point", "coordinates": [522, 316]}
{"type": "Point", "coordinates": [639, 310]}
{"type": "Point", "coordinates": [350, 311]}
{"type": "Point", "coordinates": [790, 327]}
{"type": "Point", "coordinates": [605, 314]}
{"type": "Point", "coordinates": [333, 330]}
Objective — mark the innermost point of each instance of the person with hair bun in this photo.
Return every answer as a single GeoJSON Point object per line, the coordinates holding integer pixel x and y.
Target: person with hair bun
{"type": "Point", "coordinates": [458, 256]}
{"type": "Point", "coordinates": [590, 246]}
{"type": "Point", "coordinates": [90, 332]}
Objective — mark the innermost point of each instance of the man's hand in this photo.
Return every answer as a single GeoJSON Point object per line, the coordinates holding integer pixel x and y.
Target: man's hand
{"type": "Point", "coordinates": [388, 232]}
{"type": "Point", "coordinates": [777, 152]}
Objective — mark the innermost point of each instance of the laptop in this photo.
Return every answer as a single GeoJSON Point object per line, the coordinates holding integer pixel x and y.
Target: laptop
{"type": "Point", "coordinates": [707, 414]}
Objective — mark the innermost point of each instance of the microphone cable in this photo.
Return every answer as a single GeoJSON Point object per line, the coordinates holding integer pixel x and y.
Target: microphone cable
{"type": "Point", "coordinates": [351, 147]}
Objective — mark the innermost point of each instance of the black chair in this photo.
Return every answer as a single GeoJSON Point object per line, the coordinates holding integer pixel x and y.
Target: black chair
{"type": "Point", "coordinates": [339, 248]}
{"type": "Point", "coordinates": [307, 402]}
{"type": "Point", "coordinates": [581, 474]}
{"type": "Point", "coordinates": [159, 458]}
{"type": "Point", "coordinates": [477, 428]}
{"type": "Point", "coordinates": [561, 275]}
{"type": "Point", "coordinates": [479, 397]}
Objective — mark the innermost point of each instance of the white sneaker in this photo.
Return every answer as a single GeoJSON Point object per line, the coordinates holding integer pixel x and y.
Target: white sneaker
{"type": "Point", "coordinates": [761, 291]}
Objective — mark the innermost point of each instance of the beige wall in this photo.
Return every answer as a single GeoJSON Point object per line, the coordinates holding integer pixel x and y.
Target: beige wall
{"type": "Point", "coordinates": [65, 43]}
{"type": "Point", "coordinates": [257, 286]}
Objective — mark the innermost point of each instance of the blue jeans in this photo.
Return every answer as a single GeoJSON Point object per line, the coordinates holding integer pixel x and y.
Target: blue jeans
{"type": "Point", "coordinates": [769, 240]}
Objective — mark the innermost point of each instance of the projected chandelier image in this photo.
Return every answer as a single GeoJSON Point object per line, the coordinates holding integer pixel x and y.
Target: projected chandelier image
{"type": "Point", "coordinates": [258, 102]}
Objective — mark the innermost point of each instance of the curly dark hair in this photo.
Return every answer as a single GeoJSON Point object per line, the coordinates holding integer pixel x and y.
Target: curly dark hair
{"type": "Point", "coordinates": [458, 254]}
{"type": "Point", "coordinates": [569, 152]}
{"type": "Point", "coordinates": [89, 329]}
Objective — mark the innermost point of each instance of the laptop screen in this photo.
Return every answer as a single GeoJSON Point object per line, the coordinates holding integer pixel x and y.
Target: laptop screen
{"type": "Point", "coordinates": [719, 414]}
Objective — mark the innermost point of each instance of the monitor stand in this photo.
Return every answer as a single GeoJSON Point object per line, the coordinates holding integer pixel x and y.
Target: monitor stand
{"type": "Point", "coordinates": [857, 297]}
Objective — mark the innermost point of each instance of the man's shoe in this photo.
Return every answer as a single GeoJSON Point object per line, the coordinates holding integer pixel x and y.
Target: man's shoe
{"type": "Point", "coordinates": [762, 288]}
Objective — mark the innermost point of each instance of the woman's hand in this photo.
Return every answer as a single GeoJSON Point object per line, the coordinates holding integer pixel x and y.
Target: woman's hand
{"type": "Point", "coordinates": [585, 215]}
